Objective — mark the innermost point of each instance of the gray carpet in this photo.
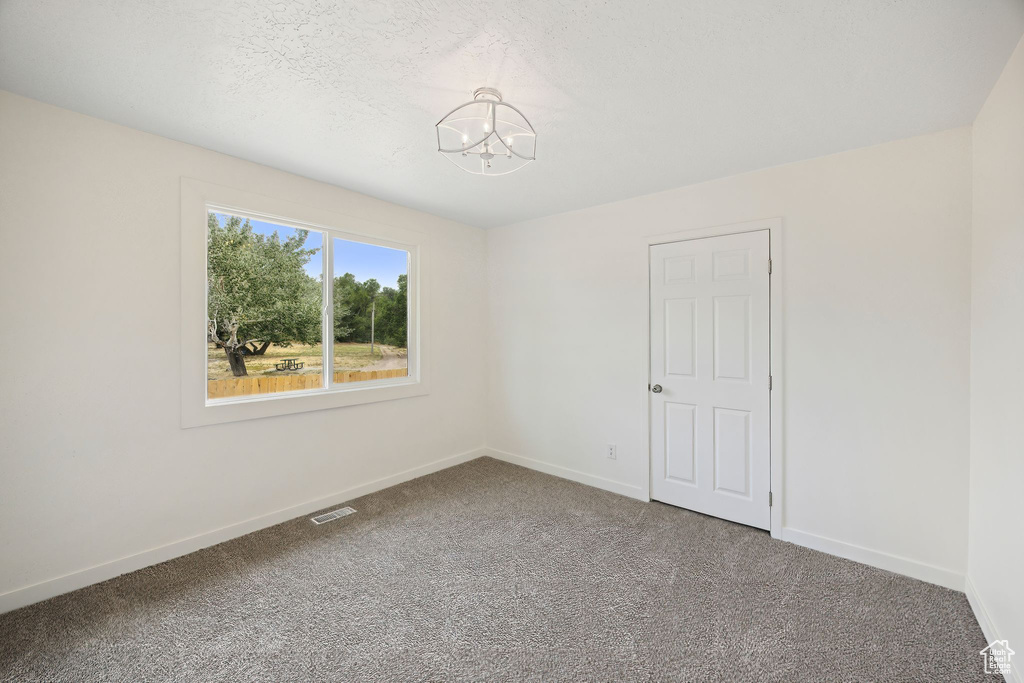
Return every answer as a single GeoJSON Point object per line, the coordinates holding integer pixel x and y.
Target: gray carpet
{"type": "Point", "coordinates": [491, 572]}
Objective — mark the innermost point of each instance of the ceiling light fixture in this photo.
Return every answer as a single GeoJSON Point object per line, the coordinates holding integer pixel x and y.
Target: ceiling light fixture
{"type": "Point", "coordinates": [487, 136]}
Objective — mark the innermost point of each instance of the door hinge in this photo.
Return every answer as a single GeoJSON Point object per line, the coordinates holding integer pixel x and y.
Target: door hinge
{"type": "Point", "coordinates": [769, 499]}
{"type": "Point", "coordinates": [769, 266]}
{"type": "Point", "coordinates": [769, 382]}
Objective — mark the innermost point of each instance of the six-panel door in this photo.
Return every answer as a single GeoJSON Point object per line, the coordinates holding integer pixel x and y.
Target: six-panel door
{"type": "Point", "coordinates": [710, 438]}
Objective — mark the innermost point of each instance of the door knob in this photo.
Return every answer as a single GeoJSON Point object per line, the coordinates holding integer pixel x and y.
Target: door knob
{"type": "Point", "coordinates": [656, 388]}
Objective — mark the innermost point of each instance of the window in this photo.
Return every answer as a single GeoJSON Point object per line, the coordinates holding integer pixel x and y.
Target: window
{"type": "Point", "coordinates": [265, 314]}
{"type": "Point", "coordinates": [267, 273]}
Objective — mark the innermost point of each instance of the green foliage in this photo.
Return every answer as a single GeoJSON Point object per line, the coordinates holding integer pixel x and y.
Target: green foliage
{"type": "Point", "coordinates": [393, 314]}
{"type": "Point", "coordinates": [359, 298]}
{"type": "Point", "coordinates": [258, 288]}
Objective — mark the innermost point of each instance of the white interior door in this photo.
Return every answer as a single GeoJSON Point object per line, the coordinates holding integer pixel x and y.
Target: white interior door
{"type": "Point", "coordinates": [710, 401]}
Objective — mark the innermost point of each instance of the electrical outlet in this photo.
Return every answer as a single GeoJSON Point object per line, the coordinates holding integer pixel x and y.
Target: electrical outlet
{"type": "Point", "coordinates": [610, 451]}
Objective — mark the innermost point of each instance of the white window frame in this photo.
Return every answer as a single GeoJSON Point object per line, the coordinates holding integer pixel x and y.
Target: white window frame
{"type": "Point", "coordinates": [197, 199]}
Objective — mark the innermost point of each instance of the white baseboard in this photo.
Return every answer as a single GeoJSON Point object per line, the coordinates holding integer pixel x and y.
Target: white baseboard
{"type": "Point", "coordinates": [876, 558]}
{"type": "Point", "coordinates": [984, 620]}
{"type": "Point", "coordinates": [988, 627]}
{"type": "Point", "coordinates": [628, 490]}
{"type": "Point", "coordinates": [43, 590]}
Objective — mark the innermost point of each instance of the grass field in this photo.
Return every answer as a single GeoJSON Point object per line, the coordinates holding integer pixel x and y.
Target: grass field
{"type": "Point", "coordinates": [346, 357]}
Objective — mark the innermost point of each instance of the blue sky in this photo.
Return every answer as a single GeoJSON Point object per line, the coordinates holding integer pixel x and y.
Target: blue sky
{"type": "Point", "coordinates": [368, 260]}
{"type": "Point", "coordinates": [362, 260]}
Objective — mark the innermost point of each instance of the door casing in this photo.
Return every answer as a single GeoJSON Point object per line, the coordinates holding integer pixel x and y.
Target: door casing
{"type": "Point", "coordinates": [774, 227]}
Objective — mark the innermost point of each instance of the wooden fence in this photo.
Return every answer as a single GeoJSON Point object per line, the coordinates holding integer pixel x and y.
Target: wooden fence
{"type": "Point", "coordinates": [272, 384]}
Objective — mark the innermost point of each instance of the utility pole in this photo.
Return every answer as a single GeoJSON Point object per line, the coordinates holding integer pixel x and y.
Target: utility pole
{"type": "Point", "coordinates": [373, 317]}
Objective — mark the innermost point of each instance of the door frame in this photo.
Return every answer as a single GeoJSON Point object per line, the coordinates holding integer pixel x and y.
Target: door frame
{"type": "Point", "coordinates": [775, 341]}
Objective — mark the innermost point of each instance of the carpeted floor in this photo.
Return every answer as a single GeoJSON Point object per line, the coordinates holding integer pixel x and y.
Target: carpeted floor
{"type": "Point", "coordinates": [491, 572]}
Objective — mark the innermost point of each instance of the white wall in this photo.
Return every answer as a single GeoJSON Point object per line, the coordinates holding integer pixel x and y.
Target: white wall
{"type": "Point", "coordinates": [94, 464]}
{"type": "Point", "coordinates": [876, 292]}
{"type": "Point", "coordinates": [996, 557]}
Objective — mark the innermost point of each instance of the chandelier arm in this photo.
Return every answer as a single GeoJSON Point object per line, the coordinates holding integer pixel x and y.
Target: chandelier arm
{"type": "Point", "coordinates": [506, 104]}
{"type": "Point", "coordinates": [533, 158]}
{"type": "Point", "coordinates": [512, 151]}
{"type": "Point", "coordinates": [470, 151]}
{"type": "Point", "coordinates": [492, 174]}
{"type": "Point", "coordinates": [460, 107]}
{"type": "Point", "coordinates": [495, 155]}
{"type": "Point", "coordinates": [464, 150]}
{"type": "Point", "coordinates": [456, 164]}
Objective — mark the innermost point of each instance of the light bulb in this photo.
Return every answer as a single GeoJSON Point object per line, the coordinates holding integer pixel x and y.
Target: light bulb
{"type": "Point", "coordinates": [465, 138]}
{"type": "Point", "coordinates": [487, 128]}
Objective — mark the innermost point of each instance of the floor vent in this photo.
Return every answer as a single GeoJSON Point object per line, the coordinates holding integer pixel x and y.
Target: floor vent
{"type": "Point", "coordinates": [331, 516]}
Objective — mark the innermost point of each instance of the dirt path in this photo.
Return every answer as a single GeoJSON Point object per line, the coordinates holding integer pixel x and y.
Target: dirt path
{"type": "Point", "coordinates": [393, 358]}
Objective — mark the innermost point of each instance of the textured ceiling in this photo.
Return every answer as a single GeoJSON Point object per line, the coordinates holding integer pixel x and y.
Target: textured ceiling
{"type": "Point", "coordinates": [627, 97]}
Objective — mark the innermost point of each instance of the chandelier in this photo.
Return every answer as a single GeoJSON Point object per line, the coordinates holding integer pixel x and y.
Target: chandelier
{"type": "Point", "coordinates": [487, 136]}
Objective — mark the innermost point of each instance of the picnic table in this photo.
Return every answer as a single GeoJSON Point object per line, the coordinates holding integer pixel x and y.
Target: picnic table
{"type": "Point", "coordinates": [289, 364]}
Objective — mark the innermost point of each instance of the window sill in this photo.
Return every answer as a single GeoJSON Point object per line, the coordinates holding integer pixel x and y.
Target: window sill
{"type": "Point", "coordinates": [219, 411]}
